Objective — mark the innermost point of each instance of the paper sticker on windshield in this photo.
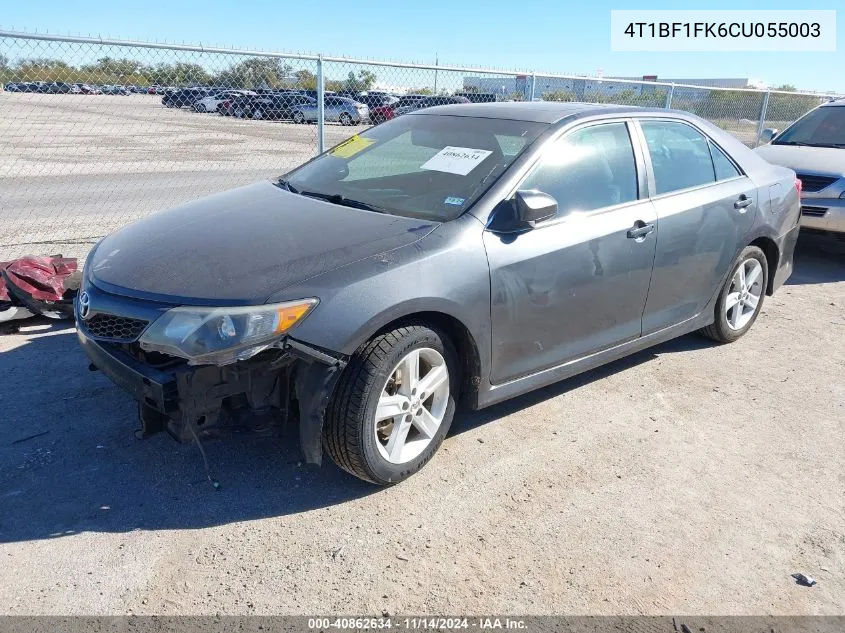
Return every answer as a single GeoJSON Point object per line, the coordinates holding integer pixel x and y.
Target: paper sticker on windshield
{"type": "Point", "coordinates": [352, 146]}
{"type": "Point", "coordinates": [456, 160]}
{"type": "Point", "coordinates": [455, 201]}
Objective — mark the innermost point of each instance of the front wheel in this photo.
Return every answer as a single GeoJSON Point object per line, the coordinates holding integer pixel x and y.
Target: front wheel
{"type": "Point", "coordinates": [298, 117]}
{"type": "Point", "coordinates": [258, 114]}
{"type": "Point", "coordinates": [393, 405]}
{"type": "Point", "coordinates": [345, 119]}
{"type": "Point", "coordinates": [199, 107]}
{"type": "Point", "coordinates": [741, 298]}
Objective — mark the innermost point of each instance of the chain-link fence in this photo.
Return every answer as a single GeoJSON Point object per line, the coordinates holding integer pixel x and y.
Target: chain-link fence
{"type": "Point", "coordinates": [97, 133]}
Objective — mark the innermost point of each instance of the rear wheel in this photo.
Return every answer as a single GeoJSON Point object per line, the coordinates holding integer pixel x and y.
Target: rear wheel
{"type": "Point", "coordinates": [199, 107]}
{"type": "Point", "coordinates": [298, 117]}
{"type": "Point", "coordinates": [258, 114]}
{"type": "Point", "coordinates": [741, 298]}
{"type": "Point", "coordinates": [393, 405]}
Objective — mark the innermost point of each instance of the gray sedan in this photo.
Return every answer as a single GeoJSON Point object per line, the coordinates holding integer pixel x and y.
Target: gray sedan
{"type": "Point", "coordinates": [337, 109]}
{"type": "Point", "coordinates": [458, 254]}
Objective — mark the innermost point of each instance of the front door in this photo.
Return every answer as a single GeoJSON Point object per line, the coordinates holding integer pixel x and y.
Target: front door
{"type": "Point", "coordinates": [577, 283]}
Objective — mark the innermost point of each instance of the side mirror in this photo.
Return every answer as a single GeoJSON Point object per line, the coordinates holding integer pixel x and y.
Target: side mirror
{"type": "Point", "coordinates": [534, 206]}
{"type": "Point", "coordinates": [768, 134]}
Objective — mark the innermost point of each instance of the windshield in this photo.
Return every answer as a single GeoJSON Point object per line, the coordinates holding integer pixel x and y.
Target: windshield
{"type": "Point", "coordinates": [823, 127]}
{"type": "Point", "coordinates": [427, 167]}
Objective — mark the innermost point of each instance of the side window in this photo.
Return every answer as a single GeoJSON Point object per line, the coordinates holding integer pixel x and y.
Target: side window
{"type": "Point", "coordinates": [724, 167]}
{"type": "Point", "coordinates": [591, 168]}
{"type": "Point", "coordinates": [680, 155]}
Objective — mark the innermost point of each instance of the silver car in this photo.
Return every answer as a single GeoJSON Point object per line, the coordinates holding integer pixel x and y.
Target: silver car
{"type": "Point", "coordinates": [814, 146]}
{"type": "Point", "coordinates": [338, 109]}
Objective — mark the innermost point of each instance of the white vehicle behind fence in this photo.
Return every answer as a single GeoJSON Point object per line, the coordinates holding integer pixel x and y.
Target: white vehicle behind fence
{"type": "Point", "coordinates": [210, 103]}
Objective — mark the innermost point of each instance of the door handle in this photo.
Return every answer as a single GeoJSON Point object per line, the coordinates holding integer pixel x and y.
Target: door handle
{"type": "Point", "coordinates": [743, 202]}
{"type": "Point", "coordinates": [640, 230]}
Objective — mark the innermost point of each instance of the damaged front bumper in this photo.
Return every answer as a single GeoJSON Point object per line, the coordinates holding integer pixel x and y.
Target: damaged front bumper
{"type": "Point", "coordinates": [189, 400]}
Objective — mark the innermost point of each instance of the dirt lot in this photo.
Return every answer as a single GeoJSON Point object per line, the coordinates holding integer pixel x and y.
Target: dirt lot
{"type": "Point", "coordinates": [687, 479]}
{"type": "Point", "coordinates": [74, 167]}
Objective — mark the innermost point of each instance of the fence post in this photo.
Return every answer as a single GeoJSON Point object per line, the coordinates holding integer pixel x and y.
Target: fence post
{"type": "Point", "coordinates": [321, 107]}
{"type": "Point", "coordinates": [669, 94]}
{"type": "Point", "coordinates": [763, 109]}
{"type": "Point", "coordinates": [533, 86]}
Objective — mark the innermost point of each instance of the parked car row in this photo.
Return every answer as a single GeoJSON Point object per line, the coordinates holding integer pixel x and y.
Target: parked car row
{"type": "Point", "coordinates": [63, 87]}
{"type": "Point", "coordinates": [300, 106]}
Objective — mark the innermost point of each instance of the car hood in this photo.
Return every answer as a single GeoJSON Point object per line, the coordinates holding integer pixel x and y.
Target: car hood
{"type": "Point", "coordinates": [815, 160]}
{"type": "Point", "coordinates": [241, 246]}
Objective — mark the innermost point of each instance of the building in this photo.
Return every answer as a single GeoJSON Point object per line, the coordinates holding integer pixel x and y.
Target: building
{"type": "Point", "coordinates": [592, 87]}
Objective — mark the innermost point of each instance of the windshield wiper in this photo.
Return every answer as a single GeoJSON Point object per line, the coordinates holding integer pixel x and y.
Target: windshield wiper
{"type": "Point", "coordinates": [336, 198]}
{"type": "Point", "coordinates": [803, 144]}
{"type": "Point", "coordinates": [285, 184]}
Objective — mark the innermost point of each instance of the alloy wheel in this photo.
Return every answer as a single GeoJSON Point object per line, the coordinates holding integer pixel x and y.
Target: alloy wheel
{"type": "Point", "coordinates": [744, 295]}
{"type": "Point", "coordinates": [412, 405]}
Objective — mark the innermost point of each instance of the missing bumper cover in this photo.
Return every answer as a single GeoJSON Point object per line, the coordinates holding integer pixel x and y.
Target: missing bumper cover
{"type": "Point", "coordinates": [183, 398]}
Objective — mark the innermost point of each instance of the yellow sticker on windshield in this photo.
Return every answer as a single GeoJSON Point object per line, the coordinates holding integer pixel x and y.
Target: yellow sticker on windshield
{"type": "Point", "coordinates": [352, 146]}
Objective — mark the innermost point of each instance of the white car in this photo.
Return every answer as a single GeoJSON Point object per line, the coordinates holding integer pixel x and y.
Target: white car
{"type": "Point", "coordinates": [210, 103]}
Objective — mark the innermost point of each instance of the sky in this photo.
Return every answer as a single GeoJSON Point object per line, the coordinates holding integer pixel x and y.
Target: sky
{"type": "Point", "coordinates": [561, 36]}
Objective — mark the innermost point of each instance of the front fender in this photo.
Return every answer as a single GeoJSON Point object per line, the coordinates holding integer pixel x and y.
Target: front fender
{"type": "Point", "coordinates": [445, 272]}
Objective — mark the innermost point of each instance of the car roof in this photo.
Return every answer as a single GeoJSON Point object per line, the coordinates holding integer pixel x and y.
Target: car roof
{"type": "Point", "coordinates": [835, 102]}
{"type": "Point", "coordinates": [535, 111]}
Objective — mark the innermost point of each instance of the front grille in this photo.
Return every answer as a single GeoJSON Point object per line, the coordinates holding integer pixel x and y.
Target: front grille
{"type": "Point", "coordinates": [815, 183]}
{"type": "Point", "coordinates": [114, 328]}
{"type": "Point", "coordinates": [814, 212]}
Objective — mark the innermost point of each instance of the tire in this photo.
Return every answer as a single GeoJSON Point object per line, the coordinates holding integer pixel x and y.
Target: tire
{"type": "Point", "coordinates": [239, 113]}
{"type": "Point", "coordinates": [345, 119]}
{"type": "Point", "coordinates": [298, 117]}
{"type": "Point", "coordinates": [199, 107]}
{"type": "Point", "coordinates": [372, 382]}
{"type": "Point", "coordinates": [735, 310]}
{"type": "Point", "coordinates": [378, 118]}
{"type": "Point", "coordinates": [258, 113]}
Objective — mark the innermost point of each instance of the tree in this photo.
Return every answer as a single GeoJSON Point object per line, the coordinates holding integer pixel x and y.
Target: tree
{"type": "Point", "coordinates": [110, 70]}
{"type": "Point", "coordinates": [305, 79]}
{"type": "Point", "coordinates": [785, 88]}
{"type": "Point", "coordinates": [364, 80]}
{"type": "Point", "coordinates": [255, 72]}
{"type": "Point", "coordinates": [43, 69]}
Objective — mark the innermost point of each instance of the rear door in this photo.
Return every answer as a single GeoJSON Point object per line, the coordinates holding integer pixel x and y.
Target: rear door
{"type": "Point", "coordinates": [577, 283]}
{"type": "Point", "coordinates": [705, 206]}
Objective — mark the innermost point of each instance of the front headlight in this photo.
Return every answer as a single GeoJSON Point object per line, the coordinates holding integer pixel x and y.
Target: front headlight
{"type": "Point", "coordinates": [219, 336]}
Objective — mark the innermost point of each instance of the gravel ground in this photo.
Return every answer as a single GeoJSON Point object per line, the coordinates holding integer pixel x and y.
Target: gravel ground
{"type": "Point", "coordinates": [687, 479]}
{"type": "Point", "coordinates": [75, 167]}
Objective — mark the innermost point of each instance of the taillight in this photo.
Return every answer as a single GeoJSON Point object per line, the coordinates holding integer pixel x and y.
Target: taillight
{"type": "Point", "coordinates": [798, 186]}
